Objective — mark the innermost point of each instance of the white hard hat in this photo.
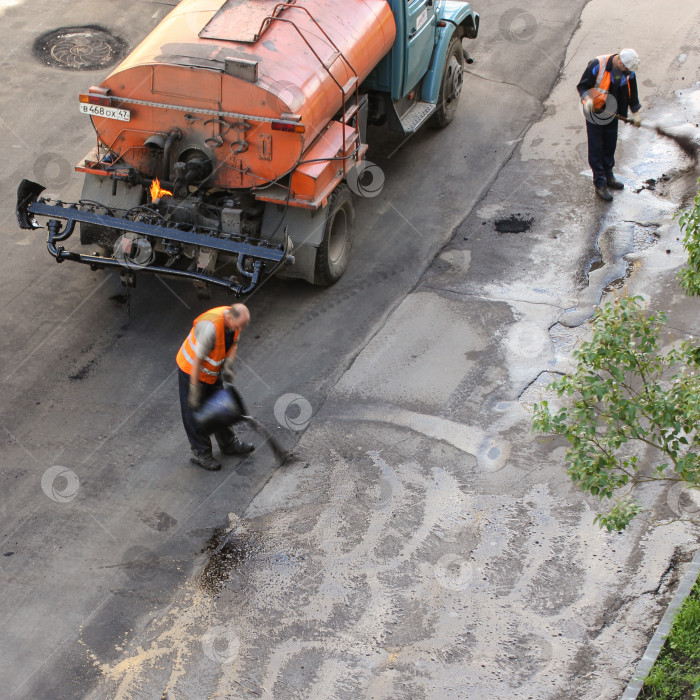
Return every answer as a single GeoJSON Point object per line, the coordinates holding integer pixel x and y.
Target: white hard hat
{"type": "Point", "coordinates": [630, 59]}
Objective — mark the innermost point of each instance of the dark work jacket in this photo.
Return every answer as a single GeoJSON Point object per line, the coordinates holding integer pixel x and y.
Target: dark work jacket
{"type": "Point", "coordinates": [627, 98]}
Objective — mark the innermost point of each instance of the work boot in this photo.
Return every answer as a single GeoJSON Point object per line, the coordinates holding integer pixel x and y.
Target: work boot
{"type": "Point", "coordinates": [205, 460]}
{"type": "Point", "coordinates": [604, 193]}
{"type": "Point", "coordinates": [613, 182]}
{"type": "Point", "coordinates": [237, 447]}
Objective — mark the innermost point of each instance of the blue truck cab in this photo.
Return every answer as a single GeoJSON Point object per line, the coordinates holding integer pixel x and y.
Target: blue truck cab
{"type": "Point", "coordinates": [420, 79]}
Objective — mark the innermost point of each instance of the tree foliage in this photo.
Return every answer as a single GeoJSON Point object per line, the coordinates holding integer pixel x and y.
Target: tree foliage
{"type": "Point", "coordinates": [689, 222]}
{"type": "Point", "coordinates": [627, 392]}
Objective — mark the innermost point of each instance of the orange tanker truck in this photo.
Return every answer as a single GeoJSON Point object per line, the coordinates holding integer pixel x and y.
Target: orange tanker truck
{"type": "Point", "coordinates": [226, 140]}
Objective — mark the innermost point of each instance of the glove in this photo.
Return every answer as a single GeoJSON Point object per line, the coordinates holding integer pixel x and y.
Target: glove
{"type": "Point", "coordinates": [227, 374]}
{"type": "Point", "coordinates": [194, 398]}
{"type": "Point", "coordinates": [587, 106]}
{"type": "Point", "coordinates": [636, 119]}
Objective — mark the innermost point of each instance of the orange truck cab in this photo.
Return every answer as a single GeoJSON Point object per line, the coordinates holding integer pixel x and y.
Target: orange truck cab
{"type": "Point", "coordinates": [231, 140]}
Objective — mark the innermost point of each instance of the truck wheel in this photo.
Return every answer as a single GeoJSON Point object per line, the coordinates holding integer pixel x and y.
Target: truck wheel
{"type": "Point", "coordinates": [451, 86]}
{"type": "Point", "coordinates": [333, 254]}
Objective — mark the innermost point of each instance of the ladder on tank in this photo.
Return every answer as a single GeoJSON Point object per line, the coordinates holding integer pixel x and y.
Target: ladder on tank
{"type": "Point", "coordinates": [351, 143]}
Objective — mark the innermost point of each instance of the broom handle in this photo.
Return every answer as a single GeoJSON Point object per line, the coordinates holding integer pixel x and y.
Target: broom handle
{"type": "Point", "coordinates": [627, 120]}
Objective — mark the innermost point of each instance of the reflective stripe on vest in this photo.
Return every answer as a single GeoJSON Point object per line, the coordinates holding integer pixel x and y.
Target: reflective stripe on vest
{"type": "Point", "coordinates": [190, 361]}
{"type": "Point", "coordinates": [211, 365]}
{"type": "Point", "coordinates": [600, 92]}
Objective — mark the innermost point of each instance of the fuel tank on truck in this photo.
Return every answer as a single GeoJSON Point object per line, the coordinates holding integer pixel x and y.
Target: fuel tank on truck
{"type": "Point", "coordinates": [249, 95]}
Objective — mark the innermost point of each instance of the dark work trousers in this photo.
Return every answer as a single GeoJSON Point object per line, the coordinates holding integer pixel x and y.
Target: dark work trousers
{"type": "Point", "coordinates": [602, 139]}
{"type": "Point", "coordinates": [198, 440]}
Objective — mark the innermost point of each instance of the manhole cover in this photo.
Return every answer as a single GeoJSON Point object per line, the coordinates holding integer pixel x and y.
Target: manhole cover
{"type": "Point", "coordinates": [79, 48]}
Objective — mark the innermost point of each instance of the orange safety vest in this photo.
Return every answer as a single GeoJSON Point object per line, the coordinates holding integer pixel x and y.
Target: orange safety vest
{"type": "Point", "coordinates": [211, 365]}
{"type": "Point", "coordinates": [600, 92]}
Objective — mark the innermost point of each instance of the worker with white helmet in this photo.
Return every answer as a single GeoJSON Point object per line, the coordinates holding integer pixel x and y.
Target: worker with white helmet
{"type": "Point", "coordinates": [608, 89]}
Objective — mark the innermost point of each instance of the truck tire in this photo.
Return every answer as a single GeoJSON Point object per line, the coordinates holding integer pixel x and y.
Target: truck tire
{"type": "Point", "coordinates": [333, 254]}
{"type": "Point", "coordinates": [451, 84]}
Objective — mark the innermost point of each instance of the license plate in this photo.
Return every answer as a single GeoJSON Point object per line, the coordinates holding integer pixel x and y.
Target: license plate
{"type": "Point", "coordinates": [123, 115]}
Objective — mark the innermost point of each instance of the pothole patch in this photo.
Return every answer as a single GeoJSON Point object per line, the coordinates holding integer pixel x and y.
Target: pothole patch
{"type": "Point", "coordinates": [79, 48]}
{"type": "Point", "coordinates": [515, 223]}
{"type": "Point", "coordinates": [645, 236]}
{"type": "Point", "coordinates": [228, 554]}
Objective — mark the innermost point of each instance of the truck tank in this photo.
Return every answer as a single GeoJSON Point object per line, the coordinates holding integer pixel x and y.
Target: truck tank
{"type": "Point", "coordinates": [248, 93]}
{"type": "Point", "coordinates": [229, 140]}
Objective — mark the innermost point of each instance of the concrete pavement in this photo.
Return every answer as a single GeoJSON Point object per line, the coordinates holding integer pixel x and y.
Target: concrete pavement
{"type": "Point", "coordinates": [422, 543]}
{"type": "Point", "coordinates": [97, 549]}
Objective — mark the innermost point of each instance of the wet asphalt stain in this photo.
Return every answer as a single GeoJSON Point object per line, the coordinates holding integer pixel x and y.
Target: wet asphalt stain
{"type": "Point", "coordinates": [82, 372]}
{"type": "Point", "coordinates": [79, 48]}
{"type": "Point", "coordinates": [652, 182]}
{"type": "Point", "coordinates": [229, 552]}
{"type": "Point", "coordinates": [140, 563]}
{"type": "Point", "coordinates": [515, 223]}
{"type": "Point", "coordinates": [660, 185]}
{"type": "Point", "coordinates": [158, 520]}
{"type": "Point", "coordinates": [110, 340]}
{"type": "Point", "coordinates": [644, 236]}
{"type": "Point", "coordinates": [619, 283]}
{"type": "Point", "coordinates": [595, 265]}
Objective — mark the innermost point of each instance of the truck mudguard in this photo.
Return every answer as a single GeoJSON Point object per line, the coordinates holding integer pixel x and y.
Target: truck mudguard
{"type": "Point", "coordinates": [454, 14]}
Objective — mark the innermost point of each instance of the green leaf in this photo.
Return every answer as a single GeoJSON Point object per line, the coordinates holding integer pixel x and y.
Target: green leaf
{"type": "Point", "coordinates": [619, 392]}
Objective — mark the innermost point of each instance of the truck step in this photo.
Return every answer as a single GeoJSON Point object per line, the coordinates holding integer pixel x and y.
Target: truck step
{"type": "Point", "coordinates": [350, 85]}
{"type": "Point", "coordinates": [350, 113]}
{"type": "Point", "coordinates": [419, 113]}
{"type": "Point", "coordinates": [352, 137]}
{"type": "Point", "coordinates": [332, 59]}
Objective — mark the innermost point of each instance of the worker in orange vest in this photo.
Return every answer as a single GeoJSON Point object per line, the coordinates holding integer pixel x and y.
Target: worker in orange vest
{"type": "Point", "coordinates": [204, 359]}
{"type": "Point", "coordinates": [608, 88]}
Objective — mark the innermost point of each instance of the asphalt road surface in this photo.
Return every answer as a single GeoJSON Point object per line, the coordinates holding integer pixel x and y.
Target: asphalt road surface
{"type": "Point", "coordinates": [103, 517]}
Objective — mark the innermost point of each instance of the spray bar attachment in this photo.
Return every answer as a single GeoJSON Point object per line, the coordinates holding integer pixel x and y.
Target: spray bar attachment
{"type": "Point", "coordinates": [255, 258]}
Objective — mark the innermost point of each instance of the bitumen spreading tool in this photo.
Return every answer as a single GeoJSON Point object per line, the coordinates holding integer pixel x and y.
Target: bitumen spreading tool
{"type": "Point", "coordinates": [225, 408]}
{"type": "Point", "coordinates": [686, 142]}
